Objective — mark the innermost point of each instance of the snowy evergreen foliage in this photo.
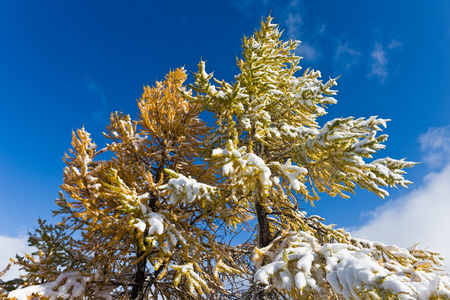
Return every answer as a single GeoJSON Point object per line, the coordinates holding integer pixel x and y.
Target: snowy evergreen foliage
{"type": "Point", "coordinates": [157, 220]}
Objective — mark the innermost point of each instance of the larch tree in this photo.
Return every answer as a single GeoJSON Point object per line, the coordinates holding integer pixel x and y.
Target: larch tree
{"type": "Point", "coordinates": [183, 211]}
{"type": "Point", "coordinates": [141, 230]}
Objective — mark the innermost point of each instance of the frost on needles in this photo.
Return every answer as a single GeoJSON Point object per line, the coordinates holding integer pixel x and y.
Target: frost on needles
{"type": "Point", "coordinates": [173, 209]}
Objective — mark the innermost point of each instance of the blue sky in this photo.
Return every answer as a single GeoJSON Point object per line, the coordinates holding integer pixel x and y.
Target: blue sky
{"type": "Point", "coordinates": [64, 65]}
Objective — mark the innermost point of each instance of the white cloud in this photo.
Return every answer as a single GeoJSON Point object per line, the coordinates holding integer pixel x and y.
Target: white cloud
{"type": "Point", "coordinates": [436, 144]}
{"type": "Point", "coordinates": [99, 117]}
{"type": "Point", "coordinates": [9, 247]}
{"type": "Point", "coordinates": [98, 90]}
{"type": "Point", "coordinates": [346, 56]}
{"type": "Point", "coordinates": [423, 214]}
{"type": "Point", "coordinates": [293, 23]}
{"type": "Point", "coordinates": [307, 51]}
{"type": "Point", "coordinates": [321, 29]}
{"type": "Point", "coordinates": [379, 63]}
{"type": "Point", "coordinates": [250, 7]}
{"type": "Point", "coordinates": [291, 14]}
{"type": "Point", "coordinates": [395, 44]}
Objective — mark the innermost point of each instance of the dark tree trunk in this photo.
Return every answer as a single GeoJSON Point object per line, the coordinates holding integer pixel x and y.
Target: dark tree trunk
{"type": "Point", "coordinates": [265, 237]}
{"type": "Point", "coordinates": [138, 288]}
{"type": "Point", "coordinates": [138, 291]}
{"type": "Point", "coordinates": [263, 222]}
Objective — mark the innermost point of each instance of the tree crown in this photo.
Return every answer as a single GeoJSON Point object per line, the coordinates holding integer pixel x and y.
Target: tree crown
{"type": "Point", "coordinates": [157, 219]}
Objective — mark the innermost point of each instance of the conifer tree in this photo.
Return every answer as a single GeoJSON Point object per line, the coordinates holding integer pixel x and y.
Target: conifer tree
{"type": "Point", "coordinates": [164, 217]}
{"type": "Point", "coordinates": [274, 155]}
{"type": "Point", "coordinates": [146, 232]}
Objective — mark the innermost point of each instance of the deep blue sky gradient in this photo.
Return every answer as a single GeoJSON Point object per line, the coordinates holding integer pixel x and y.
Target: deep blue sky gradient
{"type": "Point", "coordinates": [68, 64]}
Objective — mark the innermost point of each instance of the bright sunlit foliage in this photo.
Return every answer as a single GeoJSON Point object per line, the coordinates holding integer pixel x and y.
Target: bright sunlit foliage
{"type": "Point", "coordinates": [174, 209]}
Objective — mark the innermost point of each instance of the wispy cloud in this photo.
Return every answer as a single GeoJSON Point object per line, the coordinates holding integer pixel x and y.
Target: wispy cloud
{"type": "Point", "coordinates": [379, 60]}
{"type": "Point", "coordinates": [294, 16]}
{"type": "Point", "coordinates": [307, 51]}
{"type": "Point", "coordinates": [8, 249]}
{"type": "Point", "coordinates": [321, 29]}
{"type": "Point", "coordinates": [346, 56]}
{"type": "Point", "coordinates": [436, 146]}
{"type": "Point", "coordinates": [291, 15]}
{"type": "Point", "coordinates": [395, 44]}
{"type": "Point", "coordinates": [98, 115]}
{"type": "Point", "coordinates": [379, 63]}
{"type": "Point", "coordinates": [293, 23]}
{"type": "Point", "coordinates": [250, 7]}
{"type": "Point", "coordinates": [98, 90]}
{"type": "Point", "coordinates": [421, 215]}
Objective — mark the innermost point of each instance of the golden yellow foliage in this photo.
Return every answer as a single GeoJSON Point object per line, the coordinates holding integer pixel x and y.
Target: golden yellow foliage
{"type": "Point", "coordinates": [156, 210]}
